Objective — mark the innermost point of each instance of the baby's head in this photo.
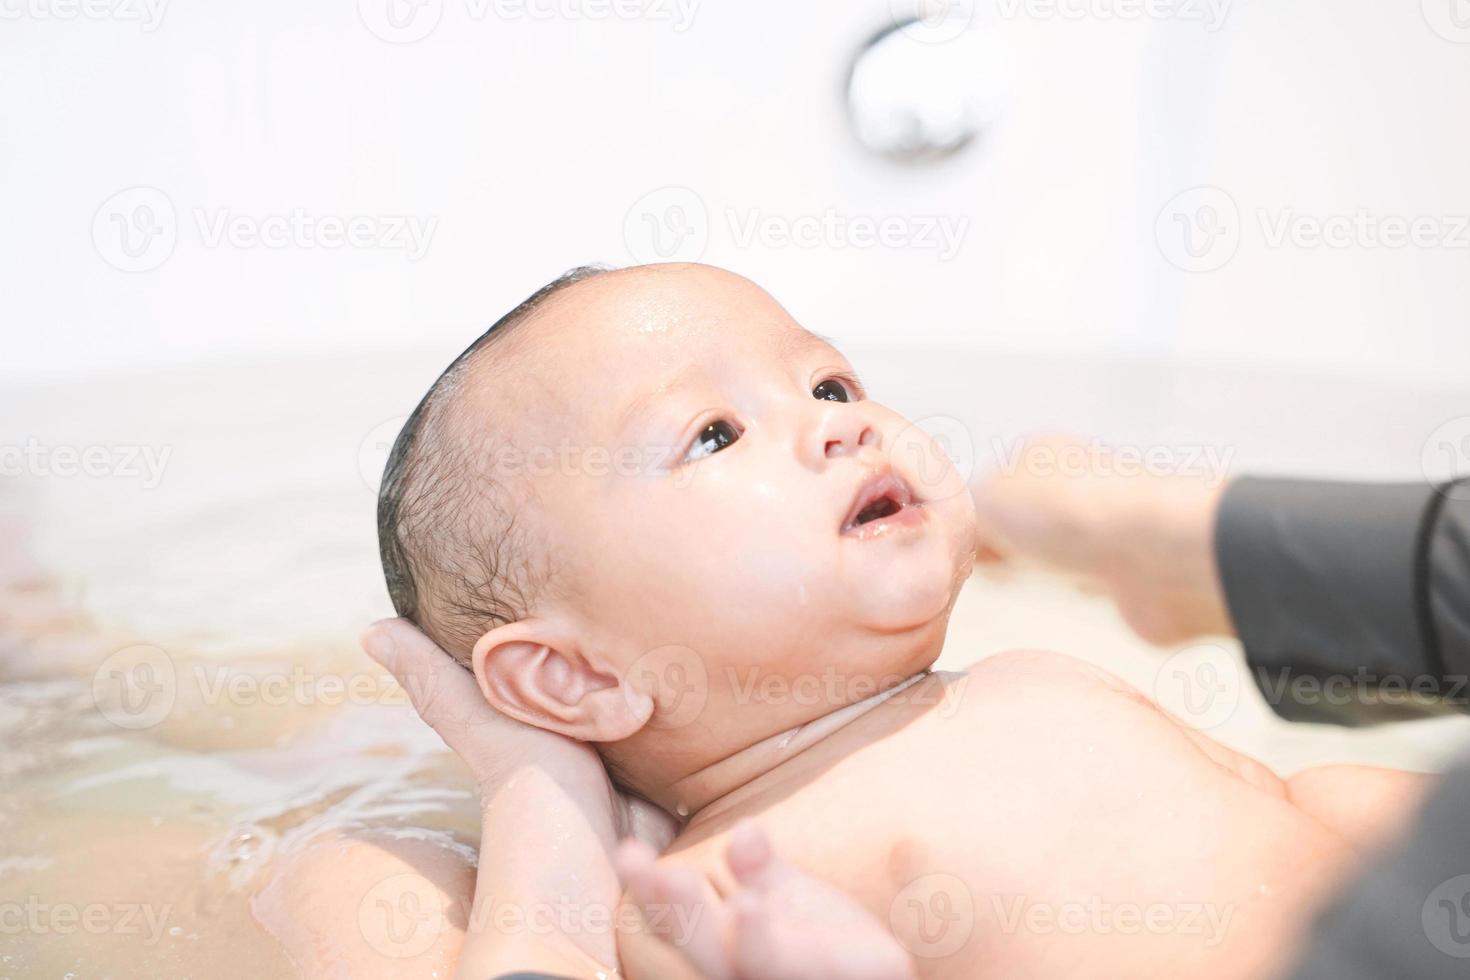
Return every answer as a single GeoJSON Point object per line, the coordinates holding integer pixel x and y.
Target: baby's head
{"type": "Point", "coordinates": [650, 485]}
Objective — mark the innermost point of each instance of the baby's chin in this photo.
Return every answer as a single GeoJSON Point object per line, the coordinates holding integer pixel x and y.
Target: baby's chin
{"type": "Point", "coordinates": [912, 598]}
{"type": "Point", "coordinates": [915, 582]}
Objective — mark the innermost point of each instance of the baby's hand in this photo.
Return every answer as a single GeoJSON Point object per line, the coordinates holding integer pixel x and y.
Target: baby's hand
{"type": "Point", "coordinates": [782, 924]}
{"type": "Point", "coordinates": [1145, 539]}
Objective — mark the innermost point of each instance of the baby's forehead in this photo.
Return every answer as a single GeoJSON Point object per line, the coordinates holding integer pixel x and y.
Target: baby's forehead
{"type": "Point", "coordinates": [662, 313]}
{"type": "Point", "coordinates": [603, 344]}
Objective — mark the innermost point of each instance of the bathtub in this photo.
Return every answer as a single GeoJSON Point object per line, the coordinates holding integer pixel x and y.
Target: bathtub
{"type": "Point", "coordinates": [208, 539]}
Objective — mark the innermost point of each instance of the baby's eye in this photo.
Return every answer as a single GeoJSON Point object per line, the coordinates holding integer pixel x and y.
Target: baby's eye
{"type": "Point", "coordinates": [831, 390]}
{"type": "Point", "coordinates": [716, 436]}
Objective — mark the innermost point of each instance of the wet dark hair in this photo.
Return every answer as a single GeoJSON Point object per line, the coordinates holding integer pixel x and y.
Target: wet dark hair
{"type": "Point", "coordinates": [452, 568]}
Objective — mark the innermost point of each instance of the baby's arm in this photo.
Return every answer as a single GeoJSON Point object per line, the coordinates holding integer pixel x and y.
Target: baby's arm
{"type": "Point", "coordinates": [1367, 805]}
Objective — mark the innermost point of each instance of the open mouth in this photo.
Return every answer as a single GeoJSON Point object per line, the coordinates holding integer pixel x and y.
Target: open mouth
{"type": "Point", "coordinates": [879, 499]}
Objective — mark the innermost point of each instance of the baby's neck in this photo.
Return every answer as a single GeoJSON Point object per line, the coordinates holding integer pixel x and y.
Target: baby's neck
{"type": "Point", "coordinates": [694, 795]}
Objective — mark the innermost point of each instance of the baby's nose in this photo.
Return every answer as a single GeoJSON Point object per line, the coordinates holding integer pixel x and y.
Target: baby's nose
{"type": "Point", "coordinates": [844, 431]}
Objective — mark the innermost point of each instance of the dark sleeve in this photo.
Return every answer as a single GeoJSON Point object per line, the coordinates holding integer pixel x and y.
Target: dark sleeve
{"type": "Point", "coordinates": [1408, 914]}
{"type": "Point", "coordinates": [1352, 599]}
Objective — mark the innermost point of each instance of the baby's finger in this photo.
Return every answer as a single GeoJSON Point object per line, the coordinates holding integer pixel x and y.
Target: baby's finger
{"type": "Point", "coordinates": [771, 944]}
{"type": "Point", "coordinates": [751, 857]}
{"type": "Point", "coordinates": [678, 906]}
{"type": "Point", "coordinates": [787, 925]}
{"type": "Point", "coordinates": [754, 862]}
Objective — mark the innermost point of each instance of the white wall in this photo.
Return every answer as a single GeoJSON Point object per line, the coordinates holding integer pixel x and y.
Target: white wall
{"type": "Point", "coordinates": [528, 140]}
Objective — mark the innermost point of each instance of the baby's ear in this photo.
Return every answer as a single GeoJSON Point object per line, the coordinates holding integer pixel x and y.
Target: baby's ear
{"type": "Point", "coordinates": [536, 673]}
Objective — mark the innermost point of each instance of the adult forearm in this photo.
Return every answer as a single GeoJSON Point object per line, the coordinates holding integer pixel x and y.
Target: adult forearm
{"type": "Point", "coordinates": [546, 892]}
{"type": "Point", "coordinates": [1351, 599]}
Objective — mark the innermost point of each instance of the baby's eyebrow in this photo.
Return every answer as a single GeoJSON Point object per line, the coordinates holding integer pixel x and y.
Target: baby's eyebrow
{"type": "Point", "coordinates": [802, 339]}
{"type": "Point", "coordinates": [640, 405]}
{"type": "Point", "coordinates": [796, 342]}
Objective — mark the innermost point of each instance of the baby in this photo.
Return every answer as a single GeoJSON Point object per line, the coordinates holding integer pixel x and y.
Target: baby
{"type": "Point", "coordinates": [653, 513]}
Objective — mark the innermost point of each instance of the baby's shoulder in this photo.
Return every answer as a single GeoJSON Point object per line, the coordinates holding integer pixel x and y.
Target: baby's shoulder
{"type": "Point", "coordinates": [1043, 667]}
{"type": "Point", "coordinates": [1034, 691]}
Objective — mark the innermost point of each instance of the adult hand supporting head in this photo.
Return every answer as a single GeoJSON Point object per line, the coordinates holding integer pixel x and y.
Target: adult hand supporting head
{"type": "Point", "coordinates": [550, 816]}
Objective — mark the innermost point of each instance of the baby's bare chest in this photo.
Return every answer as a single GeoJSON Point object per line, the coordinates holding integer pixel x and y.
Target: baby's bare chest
{"type": "Point", "coordinates": [1013, 793]}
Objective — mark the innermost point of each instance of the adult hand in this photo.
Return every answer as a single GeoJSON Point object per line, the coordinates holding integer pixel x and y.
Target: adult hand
{"type": "Point", "coordinates": [550, 816]}
{"type": "Point", "coordinates": [1147, 540]}
{"type": "Point", "coordinates": [494, 746]}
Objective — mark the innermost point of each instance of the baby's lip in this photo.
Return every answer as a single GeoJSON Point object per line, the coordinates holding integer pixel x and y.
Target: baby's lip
{"type": "Point", "coordinates": [881, 485]}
